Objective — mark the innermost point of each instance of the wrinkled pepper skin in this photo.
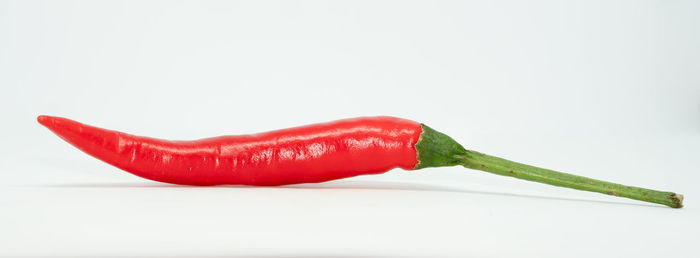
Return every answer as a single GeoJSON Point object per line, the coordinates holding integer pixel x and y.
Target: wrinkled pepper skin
{"type": "Point", "coordinates": [306, 154]}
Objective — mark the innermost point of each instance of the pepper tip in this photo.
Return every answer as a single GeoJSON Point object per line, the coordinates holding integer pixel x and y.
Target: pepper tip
{"type": "Point", "coordinates": [43, 120]}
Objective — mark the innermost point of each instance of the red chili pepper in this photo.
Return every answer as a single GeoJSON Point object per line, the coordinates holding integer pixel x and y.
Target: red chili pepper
{"type": "Point", "coordinates": [311, 154]}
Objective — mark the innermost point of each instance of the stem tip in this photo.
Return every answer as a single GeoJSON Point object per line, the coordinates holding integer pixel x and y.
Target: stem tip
{"type": "Point", "coordinates": [677, 200]}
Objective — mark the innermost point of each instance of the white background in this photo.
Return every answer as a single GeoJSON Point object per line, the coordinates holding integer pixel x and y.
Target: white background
{"type": "Point", "coordinates": [606, 89]}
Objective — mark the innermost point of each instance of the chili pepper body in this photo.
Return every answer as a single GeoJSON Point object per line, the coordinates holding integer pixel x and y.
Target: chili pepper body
{"type": "Point", "coordinates": [306, 154]}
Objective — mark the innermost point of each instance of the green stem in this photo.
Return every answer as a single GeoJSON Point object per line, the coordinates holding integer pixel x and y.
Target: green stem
{"type": "Point", "coordinates": [491, 164]}
{"type": "Point", "coordinates": [435, 149]}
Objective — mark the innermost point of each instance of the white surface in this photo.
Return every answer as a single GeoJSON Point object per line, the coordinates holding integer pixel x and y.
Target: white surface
{"type": "Point", "coordinates": [606, 89]}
